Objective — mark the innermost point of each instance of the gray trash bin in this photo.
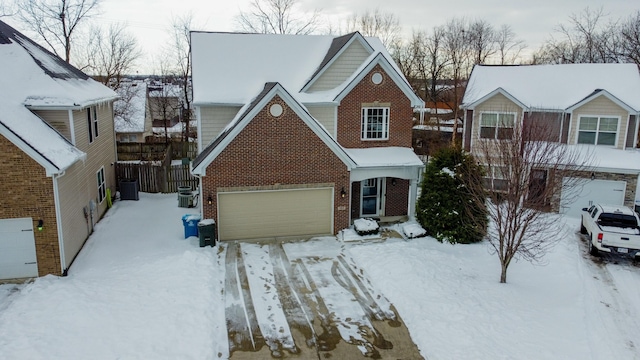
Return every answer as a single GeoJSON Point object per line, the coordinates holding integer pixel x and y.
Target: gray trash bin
{"type": "Point", "coordinates": [207, 232]}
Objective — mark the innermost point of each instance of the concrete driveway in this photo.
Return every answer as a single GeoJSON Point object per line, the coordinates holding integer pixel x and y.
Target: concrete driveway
{"type": "Point", "coordinates": [307, 300]}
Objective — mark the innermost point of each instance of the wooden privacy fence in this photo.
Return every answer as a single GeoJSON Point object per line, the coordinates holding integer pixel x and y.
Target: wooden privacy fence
{"type": "Point", "coordinates": [154, 177]}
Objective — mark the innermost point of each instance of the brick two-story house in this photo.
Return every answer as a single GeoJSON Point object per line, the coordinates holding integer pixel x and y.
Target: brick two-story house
{"type": "Point", "coordinates": [56, 163]}
{"type": "Point", "coordinates": [592, 108]}
{"type": "Point", "coordinates": [299, 135]}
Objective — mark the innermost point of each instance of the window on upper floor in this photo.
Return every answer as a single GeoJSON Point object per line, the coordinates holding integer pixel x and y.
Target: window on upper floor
{"type": "Point", "coordinates": [597, 130]}
{"type": "Point", "coordinates": [101, 185]}
{"type": "Point", "coordinates": [375, 123]}
{"type": "Point", "coordinates": [92, 122]}
{"type": "Point", "coordinates": [497, 125]}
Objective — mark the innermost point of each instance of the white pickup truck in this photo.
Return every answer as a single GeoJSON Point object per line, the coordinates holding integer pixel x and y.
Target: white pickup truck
{"type": "Point", "coordinates": [611, 228]}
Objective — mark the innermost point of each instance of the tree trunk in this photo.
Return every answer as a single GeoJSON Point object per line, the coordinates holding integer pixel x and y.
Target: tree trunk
{"type": "Point", "coordinates": [503, 274]}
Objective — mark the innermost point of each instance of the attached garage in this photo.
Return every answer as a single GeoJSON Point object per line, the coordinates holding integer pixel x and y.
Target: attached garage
{"type": "Point", "coordinates": [588, 192]}
{"type": "Point", "coordinates": [275, 213]}
{"type": "Point", "coordinates": [17, 249]}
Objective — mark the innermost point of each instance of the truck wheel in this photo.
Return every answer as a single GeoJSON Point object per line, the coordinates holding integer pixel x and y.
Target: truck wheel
{"type": "Point", "coordinates": [583, 230]}
{"type": "Point", "coordinates": [592, 249]}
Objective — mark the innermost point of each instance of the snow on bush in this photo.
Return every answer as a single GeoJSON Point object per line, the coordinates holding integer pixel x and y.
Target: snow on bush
{"type": "Point", "coordinates": [366, 226]}
{"type": "Point", "coordinates": [413, 230]}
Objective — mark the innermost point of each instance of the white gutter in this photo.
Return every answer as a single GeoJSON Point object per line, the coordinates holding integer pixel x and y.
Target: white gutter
{"type": "Point", "coordinates": [56, 202]}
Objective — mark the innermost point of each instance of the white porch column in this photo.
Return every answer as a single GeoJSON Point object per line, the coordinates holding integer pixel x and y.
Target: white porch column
{"type": "Point", "coordinates": [413, 194]}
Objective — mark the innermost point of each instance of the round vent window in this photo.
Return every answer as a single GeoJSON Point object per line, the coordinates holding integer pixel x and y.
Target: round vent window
{"type": "Point", "coordinates": [376, 78]}
{"type": "Point", "coordinates": [275, 110]}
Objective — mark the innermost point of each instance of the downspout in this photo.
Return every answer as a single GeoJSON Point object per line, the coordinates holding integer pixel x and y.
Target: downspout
{"type": "Point", "coordinates": [72, 128]}
{"type": "Point", "coordinates": [56, 200]}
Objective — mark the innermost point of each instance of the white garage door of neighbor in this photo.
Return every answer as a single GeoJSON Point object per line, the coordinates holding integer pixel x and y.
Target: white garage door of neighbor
{"type": "Point", "coordinates": [588, 192]}
{"type": "Point", "coordinates": [264, 214]}
{"type": "Point", "coordinates": [17, 249]}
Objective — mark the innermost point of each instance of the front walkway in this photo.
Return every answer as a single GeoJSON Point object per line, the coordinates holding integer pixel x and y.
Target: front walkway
{"type": "Point", "coordinates": [307, 300]}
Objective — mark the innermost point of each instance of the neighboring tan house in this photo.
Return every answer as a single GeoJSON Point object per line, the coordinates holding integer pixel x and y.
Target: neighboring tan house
{"type": "Point", "coordinates": [56, 163]}
{"type": "Point", "coordinates": [300, 135]}
{"type": "Point", "coordinates": [593, 108]}
{"type": "Point", "coordinates": [132, 120]}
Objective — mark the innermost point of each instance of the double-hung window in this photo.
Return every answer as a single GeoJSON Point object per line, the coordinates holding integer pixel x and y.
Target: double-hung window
{"type": "Point", "coordinates": [496, 179]}
{"type": "Point", "coordinates": [102, 189]}
{"type": "Point", "coordinates": [375, 123]}
{"type": "Point", "coordinates": [92, 122]}
{"type": "Point", "coordinates": [497, 125]}
{"type": "Point", "coordinates": [597, 130]}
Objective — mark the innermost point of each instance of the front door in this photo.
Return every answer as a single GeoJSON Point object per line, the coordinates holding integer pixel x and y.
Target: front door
{"type": "Point", "coordinates": [371, 197]}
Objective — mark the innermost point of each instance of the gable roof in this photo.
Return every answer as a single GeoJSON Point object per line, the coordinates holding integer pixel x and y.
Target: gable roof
{"type": "Point", "coordinates": [34, 77]}
{"type": "Point", "coordinates": [229, 67]}
{"type": "Point", "coordinates": [246, 115]}
{"type": "Point", "coordinates": [554, 87]}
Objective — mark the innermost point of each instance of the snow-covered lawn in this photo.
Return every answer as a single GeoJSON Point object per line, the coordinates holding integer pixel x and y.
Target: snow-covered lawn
{"type": "Point", "coordinates": [140, 290]}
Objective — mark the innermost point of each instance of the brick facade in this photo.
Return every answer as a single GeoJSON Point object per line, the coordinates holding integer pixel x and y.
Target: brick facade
{"type": "Point", "coordinates": [28, 192]}
{"type": "Point", "coordinates": [366, 92]}
{"type": "Point", "coordinates": [273, 151]}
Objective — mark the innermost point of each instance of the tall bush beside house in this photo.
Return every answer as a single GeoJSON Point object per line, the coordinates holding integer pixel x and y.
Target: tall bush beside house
{"type": "Point", "coordinates": [445, 208]}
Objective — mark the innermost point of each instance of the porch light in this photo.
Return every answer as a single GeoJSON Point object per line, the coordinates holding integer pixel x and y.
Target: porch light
{"type": "Point", "coordinates": [209, 200]}
{"type": "Point", "coordinates": [593, 176]}
{"type": "Point", "coordinates": [40, 225]}
{"type": "Point", "coordinates": [343, 193]}
{"type": "Point", "coordinates": [394, 182]}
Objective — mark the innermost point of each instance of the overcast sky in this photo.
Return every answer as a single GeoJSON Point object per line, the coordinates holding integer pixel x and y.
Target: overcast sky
{"type": "Point", "coordinates": [532, 20]}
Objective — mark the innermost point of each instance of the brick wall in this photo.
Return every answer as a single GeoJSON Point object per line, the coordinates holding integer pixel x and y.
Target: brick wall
{"type": "Point", "coordinates": [277, 150]}
{"type": "Point", "coordinates": [350, 113]}
{"type": "Point", "coordinates": [27, 192]}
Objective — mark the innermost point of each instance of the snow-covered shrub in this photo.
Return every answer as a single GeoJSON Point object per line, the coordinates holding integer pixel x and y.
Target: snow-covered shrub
{"type": "Point", "coordinates": [366, 226]}
{"type": "Point", "coordinates": [413, 230]}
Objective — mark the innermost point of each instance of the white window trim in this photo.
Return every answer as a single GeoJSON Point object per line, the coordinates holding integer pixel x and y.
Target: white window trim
{"type": "Point", "coordinates": [92, 123]}
{"type": "Point", "coordinates": [479, 129]}
{"type": "Point", "coordinates": [363, 118]}
{"type": "Point", "coordinates": [380, 196]}
{"type": "Point", "coordinates": [102, 187]}
{"type": "Point", "coordinates": [577, 131]}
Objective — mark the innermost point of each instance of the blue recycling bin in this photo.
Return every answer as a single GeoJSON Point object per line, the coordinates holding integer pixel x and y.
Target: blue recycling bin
{"type": "Point", "coordinates": [190, 222]}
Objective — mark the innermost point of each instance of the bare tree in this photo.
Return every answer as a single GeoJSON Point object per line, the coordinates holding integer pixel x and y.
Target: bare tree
{"type": "Point", "coordinates": [630, 38]}
{"type": "Point", "coordinates": [180, 53]}
{"type": "Point", "coordinates": [277, 17]}
{"type": "Point", "coordinates": [456, 44]}
{"type": "Point", "coordinates": [482, 40]}
{"type": "Point", "coordinates": [110, 54]}
{"type": "Point", "coordinates": [125, 107]}
{"type": "Point", "coordinates": [383, 25]}
{"type": "Point", "coordinates": [587, 38]}
{"type": "Point", "coordinates": [508, 47]}
{"type": "Point", "coordinates": [527, 170]}
{"type": "Point", "coordinates": [57, 21]}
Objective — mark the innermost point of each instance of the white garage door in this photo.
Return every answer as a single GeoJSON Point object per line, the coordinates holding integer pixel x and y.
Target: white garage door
{"type": "Point", "coordinates": [17, 249]}
{"type": "Point", "coordinates": [265, 214]}
{"type": "Point", "coordinates": [588, 192]}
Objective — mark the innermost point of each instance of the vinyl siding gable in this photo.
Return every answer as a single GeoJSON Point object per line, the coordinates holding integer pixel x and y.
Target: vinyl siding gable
{"type": "Point", "coordinates": [342, 68]}
{"type": "Point", "coordinates": [213, 119]}
{"type": "Point", "coordinates": [601, 106]}
{"type": "Point", "coordinates": [326, 115]}
{"type": "Point", "coordinates": [58, 119]}
{"type": "Point", "coordinates": [498, 103]}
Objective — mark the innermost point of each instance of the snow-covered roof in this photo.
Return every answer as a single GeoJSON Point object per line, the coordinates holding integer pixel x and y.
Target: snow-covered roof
{"type": "Point", "coordinates": [609, 159]}
{"type": "Point", "coordinates": [34, 77]}
{"type": "Point", "coordinates": [131, 116]}
{"type": "Point", "coordinates": [230, 68]}
{"type": "Point", "coordinates": [384, 156]}
{"type": "Point", "coordinates": [165, 90]}
{"type": "Point", "coordinates": [555, 87]}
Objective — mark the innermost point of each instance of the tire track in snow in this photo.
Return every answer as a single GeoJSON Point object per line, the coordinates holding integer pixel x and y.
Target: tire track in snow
{"type": "Point", "coordinates": [242, 327]}
{"type": "Point", "coordinates": [298, 314]}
